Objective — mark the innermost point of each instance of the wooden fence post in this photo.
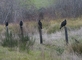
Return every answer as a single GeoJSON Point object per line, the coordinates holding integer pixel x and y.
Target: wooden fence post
{"type": "Point", "coordinates": [21, 28]}
{"type": "Point", "coordinates": [40, 32]}
{"type": "Point", "coordinates": [7, 30]}
{"type": "Point", "coordinates": [6, 24]}
{"type": "Point", "coordinates": [66, 35]}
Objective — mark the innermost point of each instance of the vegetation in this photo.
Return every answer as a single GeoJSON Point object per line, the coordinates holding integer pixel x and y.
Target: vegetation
{"type": "Point", "coordinates": [26, 46]}
{"type": "Point", "coordinates": [33, 55]}
{"type": "Point", "coordinates": [76, 48]}
{"type": "Point", "coordinates": [21, 42]}
{"type": "Point", "coordinates": [9, 40]}
{"type": "Point", "coordinates": [54, 25]}
{"type": "Point", "coordinates": [15, 10]}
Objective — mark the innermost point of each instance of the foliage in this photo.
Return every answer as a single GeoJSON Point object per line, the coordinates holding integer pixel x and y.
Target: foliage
{"type": "Point", "coordinates": [59, 50]}
{"type": "Point", "coordinates": [9, 40]}
{"type": "Point", "coordinates": [34, 55]}
{"type": "Point", "coordinates": [76, 47]}
{"type": "Point", "coordinates": [25, 43]}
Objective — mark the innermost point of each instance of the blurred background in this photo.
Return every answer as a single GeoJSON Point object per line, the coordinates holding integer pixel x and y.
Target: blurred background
{"type": "Point", "coordinates": [15, 10]}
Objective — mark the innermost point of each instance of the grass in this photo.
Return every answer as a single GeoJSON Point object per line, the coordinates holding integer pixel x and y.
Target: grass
{"type": "Point", "coordinates": [43, 53]}
{"type": "Point", "coordinates": [54, 25]}
{"type": "Point", "coordinates": [5, 54]}
{"type": "Point", "coordinates": [52, 50]}
{"type": "Point", "coordinates": [49, 26]}
{"type": "Point", "coordinates": [75, 23]}
{"type": "Point", "coordinates": [77, 47]}
{"type": "Point", "coordinates": [1, 28]}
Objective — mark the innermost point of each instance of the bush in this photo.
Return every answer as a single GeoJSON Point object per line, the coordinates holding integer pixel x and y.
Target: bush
{"type": "Point", "coordinates": [59, 50]}
{"type": "Point", "coordinates": [9, 40]}
{"type": "Point", "coordinates": [76, 47]}
{"type": "Point", "coordinates": [25, 43]}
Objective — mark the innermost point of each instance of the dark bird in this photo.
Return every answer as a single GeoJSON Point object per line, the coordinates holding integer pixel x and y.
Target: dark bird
{"type": "Point", "coordinates": [21, 23]}
{"type": "Point", "coordinates": [40, 24]}
{"type": "Point", "coordinates": [6, 23]}
{"type": "Point", "coordinates": [63, 23]}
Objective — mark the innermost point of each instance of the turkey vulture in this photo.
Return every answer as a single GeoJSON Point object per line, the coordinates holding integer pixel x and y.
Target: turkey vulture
{"type": "Point", "coordinates": [63, 23]}
{"type": "Point", "coordinates": [6, 23]}
{"type": "Point", "coordinates": [21, 23]}
{"type": "Point", "coordinates": [40, 24]}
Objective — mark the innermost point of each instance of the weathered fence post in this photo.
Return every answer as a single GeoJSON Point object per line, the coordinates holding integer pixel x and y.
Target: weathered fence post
{"type": "Point", "coordinates": [21, 31]}
{"type": "Point", "coordinates": [40, 31]}
{"type": "Point", "coordinates": [7, 30]}
{"type": "Point", "coordinates": [66, 35]}
{"type": "Point", "coordinates": [63, 24]}
{"type": "Point", "coordinates": [6, 24]}
{"type": "Point", "coordinates": [21, 28]}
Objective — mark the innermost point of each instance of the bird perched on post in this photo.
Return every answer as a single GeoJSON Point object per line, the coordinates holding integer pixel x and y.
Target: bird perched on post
{"type": "Point", "coordinates": [21, 23]}
{"type": "Point", "coordinates": [63, 23]}
{"type": "Point", "coordinates": [40, 24]}
{"type": "Point", "coordinates": [6, 23]}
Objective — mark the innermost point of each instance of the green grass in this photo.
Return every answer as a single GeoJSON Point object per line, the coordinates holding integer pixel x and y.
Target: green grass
{"type": "Point", "coordinates": [76, 47]}
{"type": "Point", "coordinates": [42, 52]}
{"type": "Point", "coordinates": [49, 26]}
{"type": "Point", "coordinates": [5, 54]}
{"type": "Point", "coordinates": [1, 27]}
{"type": "Point", "coordinates": [54, 25]}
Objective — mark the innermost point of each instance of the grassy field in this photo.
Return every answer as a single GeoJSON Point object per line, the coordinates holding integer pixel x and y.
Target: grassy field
{"type": "Point", "coordinates": [54, 25]}
{"type": "Point", "coordinates": [5, 54]}
{"type": "Point", "coordinates": [54, 45]}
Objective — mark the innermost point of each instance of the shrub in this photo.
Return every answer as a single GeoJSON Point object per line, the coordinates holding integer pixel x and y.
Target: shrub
{"type": "Point", "coordinates": [59, 50]}
{"type": "Point", "coordinates": [9, 41]}
{"type": "Point", "coordinates": [76, 47]}
{"type": "Point", "coordinates": [25, 43]}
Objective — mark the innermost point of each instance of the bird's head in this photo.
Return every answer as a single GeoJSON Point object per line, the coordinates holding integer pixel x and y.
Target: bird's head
{"type": "Point", "coordinates": [65, 20]}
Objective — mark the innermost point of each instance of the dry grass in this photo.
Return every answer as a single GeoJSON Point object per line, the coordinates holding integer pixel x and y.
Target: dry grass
{"type": "Point", "coordinates": [54, 46]}
{"type": "Point", "coordinates": [54, 25]}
